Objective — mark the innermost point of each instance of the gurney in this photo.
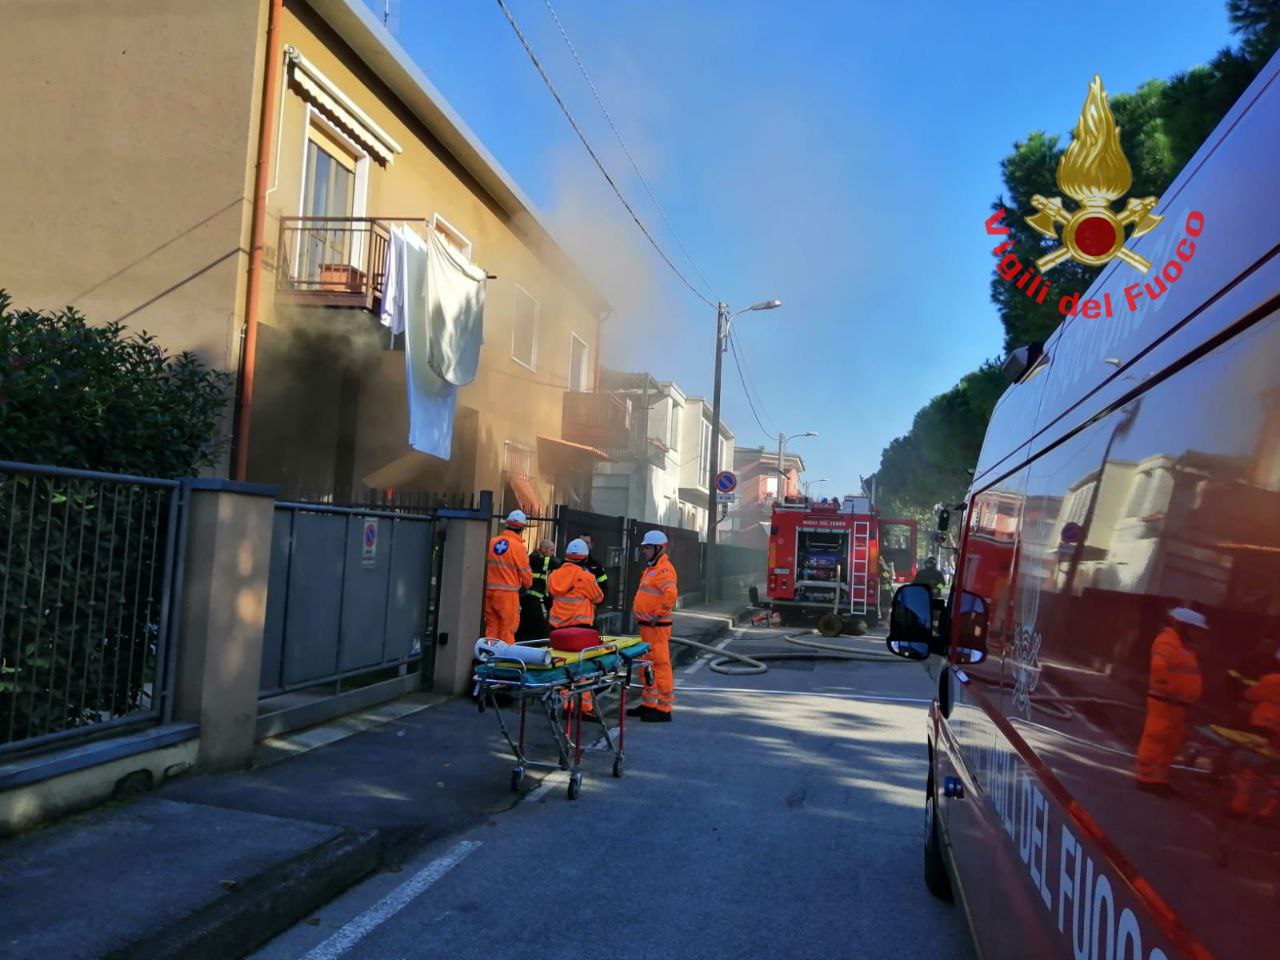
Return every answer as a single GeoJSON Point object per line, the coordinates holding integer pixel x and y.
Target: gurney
{"type": "Point", "coordinates": [556, 689]}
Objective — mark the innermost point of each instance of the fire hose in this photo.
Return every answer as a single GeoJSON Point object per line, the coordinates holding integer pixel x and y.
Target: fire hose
{"type": "Point", "coordinates": [746, 665]}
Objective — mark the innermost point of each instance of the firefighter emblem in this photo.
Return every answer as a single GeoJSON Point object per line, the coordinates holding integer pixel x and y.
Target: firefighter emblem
{"type": "Point", "coordinates": [1095, 173]}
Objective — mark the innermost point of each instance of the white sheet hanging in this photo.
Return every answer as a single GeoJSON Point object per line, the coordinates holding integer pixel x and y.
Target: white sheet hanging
{"type": "Point", "coordinates": [393, 289]}
{"type": "Point", "coordinates": [454, 290]}
{"type": "Point", "coordinates": [431, 399]}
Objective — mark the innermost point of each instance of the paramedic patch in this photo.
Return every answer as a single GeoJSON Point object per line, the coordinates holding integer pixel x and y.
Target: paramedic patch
{"type": "Point", "coordinates": [501, 547]}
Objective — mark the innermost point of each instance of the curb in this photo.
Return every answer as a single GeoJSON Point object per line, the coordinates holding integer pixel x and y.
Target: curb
{"type": "Point", "coordinates": [264, 906]}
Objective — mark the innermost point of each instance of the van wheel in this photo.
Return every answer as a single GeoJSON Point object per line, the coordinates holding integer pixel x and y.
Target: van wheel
{"type": "Point", "coordinates": [935, 867]}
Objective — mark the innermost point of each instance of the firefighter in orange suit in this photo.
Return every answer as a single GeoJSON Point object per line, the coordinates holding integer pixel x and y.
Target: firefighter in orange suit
{"type": "Point", "coordinates": [574, 593]}
{"type": "Point", "coordinates": [1257, 781]}
{"type": "Point", "coordinates": [655, 599]}
{"type": "Point", "coordinates": [1175, 685]}
{"type": "Point", "coordinates": [506, 572]}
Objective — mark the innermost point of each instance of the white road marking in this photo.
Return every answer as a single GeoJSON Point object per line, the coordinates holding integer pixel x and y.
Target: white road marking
{"type": "Point", "coordinates": [805, 693]}
{"type": "Point", "coordinates": [702, 660]}
{"type": "Point", "coordinates": [386, 908]}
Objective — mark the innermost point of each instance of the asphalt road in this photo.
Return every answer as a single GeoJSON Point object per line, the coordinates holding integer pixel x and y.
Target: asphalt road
{"type": "Point", "coordinates": [778, 815]}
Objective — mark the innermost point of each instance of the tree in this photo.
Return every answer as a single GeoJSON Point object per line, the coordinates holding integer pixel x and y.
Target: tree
{"type": "Point", "coordinates": [85, 558]}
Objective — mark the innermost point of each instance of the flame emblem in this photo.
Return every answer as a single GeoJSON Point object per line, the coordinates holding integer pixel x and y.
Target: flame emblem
{"type": "Point", "coordinates": [1095, 173]}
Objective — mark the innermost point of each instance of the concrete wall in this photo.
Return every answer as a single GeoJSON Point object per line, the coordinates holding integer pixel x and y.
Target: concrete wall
{"type": "Point", "coordinates": [127, 166]}
{"type": "Point", "coordinates": [507, 401]}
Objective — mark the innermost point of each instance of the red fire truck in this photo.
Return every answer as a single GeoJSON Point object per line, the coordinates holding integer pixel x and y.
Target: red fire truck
{"type": "Point", "coordinates": [824, 561]}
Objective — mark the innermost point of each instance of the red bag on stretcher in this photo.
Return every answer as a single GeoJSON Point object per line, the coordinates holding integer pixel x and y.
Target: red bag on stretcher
{"type": "Point", "coordinates": [574, 639]}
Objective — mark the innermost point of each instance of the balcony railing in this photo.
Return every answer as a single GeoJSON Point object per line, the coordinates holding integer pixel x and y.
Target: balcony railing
{"type": "Point", "coordinates": [332, 261]}
{"type": "Point", "coordinates": [599, 420]}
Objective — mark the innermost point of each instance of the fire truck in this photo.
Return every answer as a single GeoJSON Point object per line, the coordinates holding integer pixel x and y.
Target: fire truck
{"type": "Point", "coordinates": [824, 562]}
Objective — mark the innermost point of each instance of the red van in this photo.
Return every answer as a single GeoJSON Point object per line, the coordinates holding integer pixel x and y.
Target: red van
{"type": "Point", "coordinates": [1104, 743]}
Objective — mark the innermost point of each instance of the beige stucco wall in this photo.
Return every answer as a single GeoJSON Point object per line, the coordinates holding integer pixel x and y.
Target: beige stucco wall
{"type": "Point", "coordinates": [506, 402]}
{"type": "Point", "coordinates": [127, 162]}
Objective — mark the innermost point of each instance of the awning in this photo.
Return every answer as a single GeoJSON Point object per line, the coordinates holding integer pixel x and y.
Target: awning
{"type": "Point", "coordinates": [569, 447]}
{"type": "Point", "coordinates": [526, 492]}
{"type": "Point", "coordinates": [339, 108]}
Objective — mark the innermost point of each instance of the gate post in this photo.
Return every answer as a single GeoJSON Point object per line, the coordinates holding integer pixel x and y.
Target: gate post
{"type": "Point", "coordinates": [218, 657]}
{"type": "Point", "coordinates": [459, 622]}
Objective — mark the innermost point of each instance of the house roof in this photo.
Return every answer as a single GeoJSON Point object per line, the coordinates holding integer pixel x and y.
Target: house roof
{"type": "Point", "coordinates": [360, 28]}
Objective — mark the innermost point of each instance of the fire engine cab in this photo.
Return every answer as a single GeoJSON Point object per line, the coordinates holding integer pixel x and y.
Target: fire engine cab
{"type": "Point", "coordinates": [824, 562]}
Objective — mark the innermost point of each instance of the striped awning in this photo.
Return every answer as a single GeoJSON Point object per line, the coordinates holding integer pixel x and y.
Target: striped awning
{"type": "Point", "coordinates": [526, 491]}
{"type": "Point", "coordinates": [339, 109]}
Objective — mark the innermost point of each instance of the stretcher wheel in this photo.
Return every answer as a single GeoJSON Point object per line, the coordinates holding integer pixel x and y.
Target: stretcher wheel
{"type": "Point", "coordinates": [617, 766]}
{"type": "Point", "coordinates": [517, 778]}
{"type": "Point", "coordinates": [575, 785]}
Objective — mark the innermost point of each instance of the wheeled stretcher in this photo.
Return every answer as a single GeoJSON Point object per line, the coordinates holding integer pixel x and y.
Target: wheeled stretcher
{"type": "Point", "coordinates": [556, 690]}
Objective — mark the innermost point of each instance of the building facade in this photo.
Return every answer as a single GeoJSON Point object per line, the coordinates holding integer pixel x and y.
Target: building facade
{"type": "Point", "coordinates": [144, 162]}
{"type": "Point", "coordinates": [658, 440]}
{"type": "Point", "coordinates": [760, 484]}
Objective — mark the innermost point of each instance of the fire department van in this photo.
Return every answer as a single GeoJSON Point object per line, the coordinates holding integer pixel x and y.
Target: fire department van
{"type": "Point", "coordinates": [1104, 743]}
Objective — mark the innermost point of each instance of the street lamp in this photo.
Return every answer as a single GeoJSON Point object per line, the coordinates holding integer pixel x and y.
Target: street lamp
{"type": "Point", "coordinates": [724, 319]}
{"type": "Point", "coordinates": [806, 484]}
{"type": "Point", "coordinates": [782, 446]}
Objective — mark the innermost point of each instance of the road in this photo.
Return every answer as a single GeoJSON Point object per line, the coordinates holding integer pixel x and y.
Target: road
{"type": "Point", "coordinates": [778, 815]}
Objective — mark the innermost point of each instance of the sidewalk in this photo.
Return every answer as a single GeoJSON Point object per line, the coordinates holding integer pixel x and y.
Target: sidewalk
{"type": "Point", "coordinates": [213, 866]}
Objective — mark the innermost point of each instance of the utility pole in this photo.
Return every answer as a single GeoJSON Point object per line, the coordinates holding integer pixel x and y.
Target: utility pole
{"type": "Point", "coordinates": [713, 508]}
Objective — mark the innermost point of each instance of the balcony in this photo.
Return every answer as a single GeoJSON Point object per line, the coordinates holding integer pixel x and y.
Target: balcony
{"type": "Point", "coordinates": [600, 420]}
{"type": "Point", "coordinates": [332, 261]}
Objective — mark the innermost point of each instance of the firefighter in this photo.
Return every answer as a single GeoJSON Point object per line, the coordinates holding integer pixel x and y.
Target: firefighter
{"type": "Point", "coordinates": [1257, 782]}
{"type": "Point", "coordinates": [506, 572]}
{"type": "Point", "coordinates": [575, 593]}
{"type": "Point", "coordinates": [929, 575]}
{"type": "Point", "coordinates": [535, 603]}
{"type": "Point", "coordinates": [1175, 685]}
{"type": "Point", "coordinates": [655, 599]}
{"type": "Point", "coordinates": [594, 567]}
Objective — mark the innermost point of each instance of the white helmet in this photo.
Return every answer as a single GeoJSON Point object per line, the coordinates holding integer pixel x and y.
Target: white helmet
{"type": "Point", "coordinates": [576, 549]}
{"type": "Point", "coordinates": [654, 538]}
{"type": "Point", "coordinates": [517, 518]}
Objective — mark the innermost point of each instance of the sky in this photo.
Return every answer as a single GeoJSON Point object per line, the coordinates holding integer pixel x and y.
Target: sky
{"type": "Point", "coordinates": [838, 156]}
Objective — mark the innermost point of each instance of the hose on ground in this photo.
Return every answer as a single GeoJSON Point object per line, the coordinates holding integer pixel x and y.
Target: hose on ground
{"type": "Point", "coordinates": [747, 665]}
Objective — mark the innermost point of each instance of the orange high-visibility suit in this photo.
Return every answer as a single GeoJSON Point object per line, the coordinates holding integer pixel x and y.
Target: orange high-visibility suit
{"type": "Point", "coordinates": [575, 594]}
{"type": "Point", "coordinates": [1174, 686]}
{"type": "Point", "coordinates": [655, 599]}
{"type": "Point", "coordinates": [1259, 776]}
{"type": "Point", "coordinates": [506, 571]}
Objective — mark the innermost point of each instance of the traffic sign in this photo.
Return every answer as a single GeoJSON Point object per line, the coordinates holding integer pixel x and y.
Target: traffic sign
{"type": "Point", "coordinates": [726, 481]}
{"type": "Point", "coordinates": [725, 497]}
{"type": "Point", "coordinates": [369, 553]}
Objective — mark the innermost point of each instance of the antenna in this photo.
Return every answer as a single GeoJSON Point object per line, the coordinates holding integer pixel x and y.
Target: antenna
{"type": "Point", "coordinates": [391, 15]}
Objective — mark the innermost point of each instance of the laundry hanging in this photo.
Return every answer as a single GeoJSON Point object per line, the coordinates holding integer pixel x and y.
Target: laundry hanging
{"type": "Point", "coordinates": [431, 399]}
{"type": "Point", "coordinates": [454, 289]}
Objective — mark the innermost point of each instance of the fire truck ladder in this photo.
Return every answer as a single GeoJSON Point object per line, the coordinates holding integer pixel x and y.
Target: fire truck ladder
{"type": "Point", "coordinates": [860, 564]}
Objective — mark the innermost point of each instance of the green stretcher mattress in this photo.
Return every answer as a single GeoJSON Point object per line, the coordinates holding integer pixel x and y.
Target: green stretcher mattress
{"type": "Point", "coordinates": [565, 666]}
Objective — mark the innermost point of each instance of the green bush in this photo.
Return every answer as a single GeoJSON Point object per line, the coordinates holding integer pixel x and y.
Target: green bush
{"type": "Point", "coordinates": [84, 560]}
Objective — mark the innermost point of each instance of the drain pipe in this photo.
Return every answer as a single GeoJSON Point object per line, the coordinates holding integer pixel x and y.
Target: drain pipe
{"type": "Point", "coordinates": [261, 182]}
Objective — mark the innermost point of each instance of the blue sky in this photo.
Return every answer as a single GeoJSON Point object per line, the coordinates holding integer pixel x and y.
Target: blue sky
{"type": "Point", "coordinates": [838, 156]}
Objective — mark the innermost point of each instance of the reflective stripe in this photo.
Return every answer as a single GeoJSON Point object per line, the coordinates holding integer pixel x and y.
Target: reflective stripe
{"type": "Point", "coordinates": [502, 586]}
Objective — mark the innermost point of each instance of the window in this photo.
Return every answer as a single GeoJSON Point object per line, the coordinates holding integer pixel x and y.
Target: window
{"type": "Point", "coordinates": [578, 373]}
{"type": "Point", "coordinates": [674, 417]}
{"type": "Point", "coordinates": [771, 486]}
{"type": "Point", "coordinates": [524, 335]}
{"type": "Point", "coordinates": [452, 235]}
{"type": "Point", "coordinates": [329, 190]}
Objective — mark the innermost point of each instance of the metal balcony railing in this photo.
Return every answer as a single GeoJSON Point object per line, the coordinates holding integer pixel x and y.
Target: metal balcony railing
{"type": "Point", "coordinates": [332, 261]}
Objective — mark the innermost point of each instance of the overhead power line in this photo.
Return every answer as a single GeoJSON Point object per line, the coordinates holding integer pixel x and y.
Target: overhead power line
{"type": "Point", "coordinates": [749, 383]}
{"type": "Point", "coordinates": [533, 57]}
{"type": "Point", "coordinates": [627, 150]}
{"type": "Point", "coordinates": [750, 403]}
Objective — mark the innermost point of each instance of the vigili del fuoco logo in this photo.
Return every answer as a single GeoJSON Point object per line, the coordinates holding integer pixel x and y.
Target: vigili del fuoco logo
{"type": "Point", "coordinates": [1095, 173]}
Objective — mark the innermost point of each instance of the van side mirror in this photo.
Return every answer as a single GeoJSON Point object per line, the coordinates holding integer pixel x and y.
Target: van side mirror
{"type": "Point", "coordinates": [1020, 361]}
{"type": "Point", "coordinates": [911, 623]}
{"type": "Point", "coordinates": [944, 519]}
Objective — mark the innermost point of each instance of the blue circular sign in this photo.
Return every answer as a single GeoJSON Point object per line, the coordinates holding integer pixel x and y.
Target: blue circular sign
{"type": "Point", "coordinates": [726, 481]}
{"type": "Point", "coordinates": [370, 535]}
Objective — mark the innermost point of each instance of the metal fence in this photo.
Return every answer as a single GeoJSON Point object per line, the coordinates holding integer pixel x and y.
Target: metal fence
{"type": "Point", "coordinates": [89, 579]}
{"type": "Point", "coordinates": [683, 547]}
{"type": "Point", "coordinates": [608, 545]}
{"type": "Point", "coordinates": [352, 593]}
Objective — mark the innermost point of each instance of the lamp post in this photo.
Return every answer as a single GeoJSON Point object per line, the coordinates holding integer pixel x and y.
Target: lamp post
{"type": "Point", "coordinates": [782, 447]}
{"type": "Point", "coordinates": [724, 319]}
{"type": "Point", "coordinates": [806, 484]}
